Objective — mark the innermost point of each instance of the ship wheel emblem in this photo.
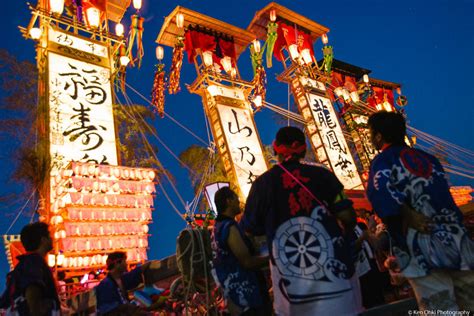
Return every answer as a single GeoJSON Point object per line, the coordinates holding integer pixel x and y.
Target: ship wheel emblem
{"type": "Point", "coordinates": [302, 247]}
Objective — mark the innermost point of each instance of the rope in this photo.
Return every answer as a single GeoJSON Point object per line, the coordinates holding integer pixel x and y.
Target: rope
{"type": "Point", "coordinates": [150, 149]}
{"type": "Point", "coordinates": [169, 116]}
{"type": "Point", "coordinates": [157, 137]}
{"type": "Point", "coordinates": [160, 164]}
{"type": "Point", "coordinates": [21, 211]}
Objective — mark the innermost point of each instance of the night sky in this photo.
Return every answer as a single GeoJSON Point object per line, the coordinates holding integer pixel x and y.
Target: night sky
{"type": "Point", "coordinates": [426, 46]}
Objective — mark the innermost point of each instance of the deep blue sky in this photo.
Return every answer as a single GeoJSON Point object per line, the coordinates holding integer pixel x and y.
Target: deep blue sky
{"type": "Point", "coordinates": [427, 46]}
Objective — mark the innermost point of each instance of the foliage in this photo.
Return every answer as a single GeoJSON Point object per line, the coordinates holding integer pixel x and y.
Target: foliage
{"type": "Point", "coordinates": [131, 121]}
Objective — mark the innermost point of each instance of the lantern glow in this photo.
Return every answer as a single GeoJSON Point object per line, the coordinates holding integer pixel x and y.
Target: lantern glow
{"type": "Point", "coordinates": [325, 39]}
{"type": "Point", "coordinates": [159, 55]}
{"type": "Point", "coordinates": [180, 20]}
{"type": "Point", "coordinates": [307, 58]}
{"type": "Point", "coordinates": [93, 17]}
{"type": "Point", "coordinates": [119, 29]}
{"type": "Point", "coordinates": [273, 15]}
{"type": "Point", "coordinates": [56, 6]}
{"type": "Point", "coordinates": [293, 49]}
{"type": "Point", "coordinates": [124, 60]}
{"type": "Point", "coordinates": [226, 63]}
{"type": "Point", "coordinates": [137, 4]}
{"type": "Point", "coordinates": [35, 33]}
{"type": "Point", "coordinates": [257, 101]}
{"type": "Point", "coordinates": [366, 78]}
{"type": "Point", "coordinates": [256, 45]}
{"type": "Point", "coordinates": [207, 58]}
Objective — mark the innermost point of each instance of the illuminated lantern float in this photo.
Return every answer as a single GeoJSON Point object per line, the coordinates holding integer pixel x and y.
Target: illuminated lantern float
{"type": "Point", "coordinates": [93, 205]}
{"type": "Point", "coordinates": [292, 37]}
{"type": "Point", "coordinates": [214, 46]}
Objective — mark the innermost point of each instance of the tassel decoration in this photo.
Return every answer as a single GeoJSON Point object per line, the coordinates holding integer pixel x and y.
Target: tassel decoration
{"type": "Point", "coordinates": [328, 57]}
{"type": "Point", "coordinates": [136, 34]}
{"type": "Point", "coordinates": [158, 92]}
{"type": "Point", "coordinates": [176, 63]}
{"type": "Point", "coordinates": [260, 81]}
{"type": "Point", "coordinates": [272, 37]}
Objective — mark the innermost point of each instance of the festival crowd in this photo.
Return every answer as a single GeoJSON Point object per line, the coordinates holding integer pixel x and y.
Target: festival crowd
{"type": "Point", "coordinates": [323, 258]}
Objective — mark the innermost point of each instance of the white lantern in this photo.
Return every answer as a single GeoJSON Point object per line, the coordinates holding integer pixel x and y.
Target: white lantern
{"type": "Point", "coordinates": [55, 220]}
{"type": "Point", "coordinates": [60, 259]}
{"type": "Point", "coordinates": [293, 49]}
{"type": "Point", "coordinates": [51, 260]}
{"type": "Point", "coordinates": [119, 30]}
{"type": "Point", "coordinates": [355, 96]}
{"type": "Point", "coordinates": [226, 63]}
{"type": "Point", "coordinates": [93, 17]}
{"type": "Point", "coordinates": [35, 33]}
{"type": "Point", "coordinates": [124, 60]}
{"type": "Point", "coordinates": [137, 4]}
{"type": "Point", "coordinates": [233, 72]}
{"type": "Point", "coordinates": [56, 6]}
{"type": "Point", "coordinates": [180, 20]}
{"type": "Point", "coordinates": [338, 91]}
{"type": "Point", "coordinates": [159, 53]}
{"type": "Point", "coordinates": [324, 38]}
{"type": "Point", "coordinates": [151, 175]}
{"type": "Point", "coordinates": [307, 58]}
{"type": "Point", "coordinates": [256, 45]}
{"type": "Point", "coordinates": [257, 101]}
{"type": "Point", "coordinates": [366, 78]}
{"type": "Point", "coordinates": [273, 15]}
{"type": "Point", "coordinates": [346, 95]}
{"type": "Point", "coordinates": [207, 58]}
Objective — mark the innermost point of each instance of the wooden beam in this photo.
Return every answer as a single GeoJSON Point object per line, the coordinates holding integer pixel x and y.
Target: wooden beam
{"type": "Point", "coordinates": [258, 25]}
{"type": "Point", "coordinates": [170, 31]}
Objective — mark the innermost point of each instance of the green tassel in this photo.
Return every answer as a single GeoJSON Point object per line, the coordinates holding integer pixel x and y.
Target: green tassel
{"type": "Point", "coordinates": [328, 57]}
{"type": "Point", "coordinates": [272, 36]}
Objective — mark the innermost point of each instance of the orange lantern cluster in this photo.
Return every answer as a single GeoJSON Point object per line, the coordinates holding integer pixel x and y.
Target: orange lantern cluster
{"type": "Point", "coordinates": [105, 243]}
{"type": "Point", "coordinates": [461, 194]}
{"type": "Point", "coordinates": [101, 208]}
{"type": "Point", "coordinates": [99, 260]}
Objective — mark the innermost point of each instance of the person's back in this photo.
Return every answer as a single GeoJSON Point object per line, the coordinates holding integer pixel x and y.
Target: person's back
{"type": "Point", "coordinates": [31, 288]}
{"type": "Point", "coordinates": [296, 206]}
{"type": "Point", "coordinates": [235, 265]}
{"type": "Point", "coordinates": [417, 178]}
{"type": "Point", "coordinates": [409, 192]}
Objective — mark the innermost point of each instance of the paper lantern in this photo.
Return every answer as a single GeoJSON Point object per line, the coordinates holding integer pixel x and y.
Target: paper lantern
{"type": "Point", "coordinates": [124, 60]}
{"type": "Point", "coordinates": [56, 6]}
{"type": "Point", "coordinates": [119, 30]}
{"type": "Point", "coordinates": [35, 33]}
{"type": "Point", "coordinates": [324, 39]}
{"type": "Point", "coordinates": [137, 4]}
{"type": "Point", "coordinates": [226, 63]}
{"type": "Point", "coordinates": [180, 20]}
{"type": "Point", "coordinates": [366, 78]}
{"type": "Point", "coordinates": [293, 49]}
{"type": "Point", "coordinates": [273, 15]}
{"type": "Point", "coordinates": [307, 58]}
{"type": "Point", "coordinates": [151, 175]}
{"type": "Point", "coordinates": [256, 45]}
{"type": "Point", "coordinates": [51, 260]}
{"type": "Point", "coordinates": [207, 58]}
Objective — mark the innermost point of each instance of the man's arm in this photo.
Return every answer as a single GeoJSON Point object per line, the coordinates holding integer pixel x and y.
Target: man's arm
{"type": "Point", "coordinates": [241, 252]}
{"type": "Point", "coordinates": [36, 304]}
{"type": "Point", "coordinates": [344, 212]}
